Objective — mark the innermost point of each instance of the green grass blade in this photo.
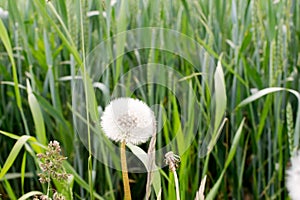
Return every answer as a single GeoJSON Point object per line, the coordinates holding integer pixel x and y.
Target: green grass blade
{"type": "Point", "coordinates": [9, 190]}
{"type": "Point", "coordinates": [143, 156]}
{"type": "Point", "coordinates": [220, 95]}
{"type": "Point", "coordinates": [23, 168]}
{"type": "Point", "coordinates": [264, 92]}
{"type": "Point", "coordinates": [234, 144]}
{"type": "Point", "coordinates": [47, 107]}
{"type": "Point", "coordinates": [214, 191]}
{"type": "Point", "coordinates": [120, 43]}
{"type": "Point", "coordinates": [65, 127]}
{"type": "Point", "coordinates": [41, 7]}
{"type": "Point", "coordinates": [79, 180]}
{"type": "Point", "coordinates": [13, 136]}
{"type": "Point", "coordinates": [270, 90]}
{"type": "Point", "coordinates": [6, 42]}
{"type": "Point", "coordinates": [35, 145]}
{"type": "Point", "coordinates": [221, 102]}
{"type": "Point", "coordinates": [13, 154]}
{"type": "Point", "coordinates": [37, 116]}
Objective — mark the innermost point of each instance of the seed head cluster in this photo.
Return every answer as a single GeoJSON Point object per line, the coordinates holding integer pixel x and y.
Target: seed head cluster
{"type": "Point", "coordinates": [51, 164]}
{"type": "Point", "coordinates": [56, 196]}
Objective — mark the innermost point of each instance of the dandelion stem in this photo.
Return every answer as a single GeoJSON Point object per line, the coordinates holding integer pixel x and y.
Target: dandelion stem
{"type": "Point", "coordinates": [172, 160]}
{"type": "Point", "coordinates": [176, 185]}
{"type": "Point", "coordinates": [125, 172]}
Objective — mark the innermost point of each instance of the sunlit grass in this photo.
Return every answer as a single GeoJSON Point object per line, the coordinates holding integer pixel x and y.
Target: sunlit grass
{"type": "Point", "coordinates": [250, 138]}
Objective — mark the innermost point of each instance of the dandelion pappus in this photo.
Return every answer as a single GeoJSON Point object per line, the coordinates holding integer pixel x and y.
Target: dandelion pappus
{"type": "Point", "coordinates": [172, 160]}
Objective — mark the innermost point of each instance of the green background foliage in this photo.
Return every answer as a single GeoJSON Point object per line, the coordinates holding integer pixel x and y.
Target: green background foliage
{"type": "Point", "coordinates": [254, 44]}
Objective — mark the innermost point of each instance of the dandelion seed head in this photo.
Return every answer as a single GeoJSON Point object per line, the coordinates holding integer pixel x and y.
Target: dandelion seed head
{"type": "Point", "coordinates": [129, 120]}
{"type": "Point", "coordinates": [293, 177]}
{"type": "Point", "coordinates": [3, 13]}
{"type": "Point", "coordinates": [113, 2]}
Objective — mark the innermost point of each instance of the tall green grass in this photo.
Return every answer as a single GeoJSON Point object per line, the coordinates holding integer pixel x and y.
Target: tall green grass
{"type": "Point", "coordinates": [254, 44]}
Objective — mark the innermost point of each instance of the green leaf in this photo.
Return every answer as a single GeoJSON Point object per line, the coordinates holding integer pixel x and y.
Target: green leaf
{"type": "Point", "coordinates": [46, 106]}
{"type": "Point", "coordinates": [264, 92]}
{"type": "Point", "coordinates": [221, 102]}
{"type": "Point", "coordinates": [37, 116]}
{"type": "Point", "coordinates": [91, 99]}
{"type": "Point", "coordinates": [177, 127]}
{"type": "Point", "coordinates": [220, 94]}
{"type": "Point", "coordinates": [120, 41]}
{"type": "Point", "coordinates": [214, 191]}
{"type": "Point", "coordinates": [13, 136]}
{"type": "Point", "coordinates": [41, 7]}
{"type": "Point", "coordinates": [270, 90]}
{"type": "Point", "coordinates": [143, 156]}
{"type": "Point", "coordinates": [23, 167]}
{"type": "Point", "coordinates": [8, 188]}
{"type": "Point", "coordinates": [65, 187]}
{"type": "Point", "coordinates": [6, 42]}
{"type": "Point", "coordinates": [13, 154]}
{"type": "Point", "coordinates": [79, 180]}
{"type": "Point", "coordinates": [234, 144]}
{"type": "Point", "coordinates": [35, 145]}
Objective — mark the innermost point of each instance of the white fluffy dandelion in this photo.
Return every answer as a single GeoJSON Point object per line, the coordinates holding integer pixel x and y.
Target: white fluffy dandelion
{"type": "Point", "coordinates": [293, 177]}
{"type": "Point", "coordinates": [3, 13]}
{"type": "Point", "coordinates": [129, 120]}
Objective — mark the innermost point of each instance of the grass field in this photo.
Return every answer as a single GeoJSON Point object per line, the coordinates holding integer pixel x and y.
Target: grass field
{"type": "Point", "coordinates": [222, 78]}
